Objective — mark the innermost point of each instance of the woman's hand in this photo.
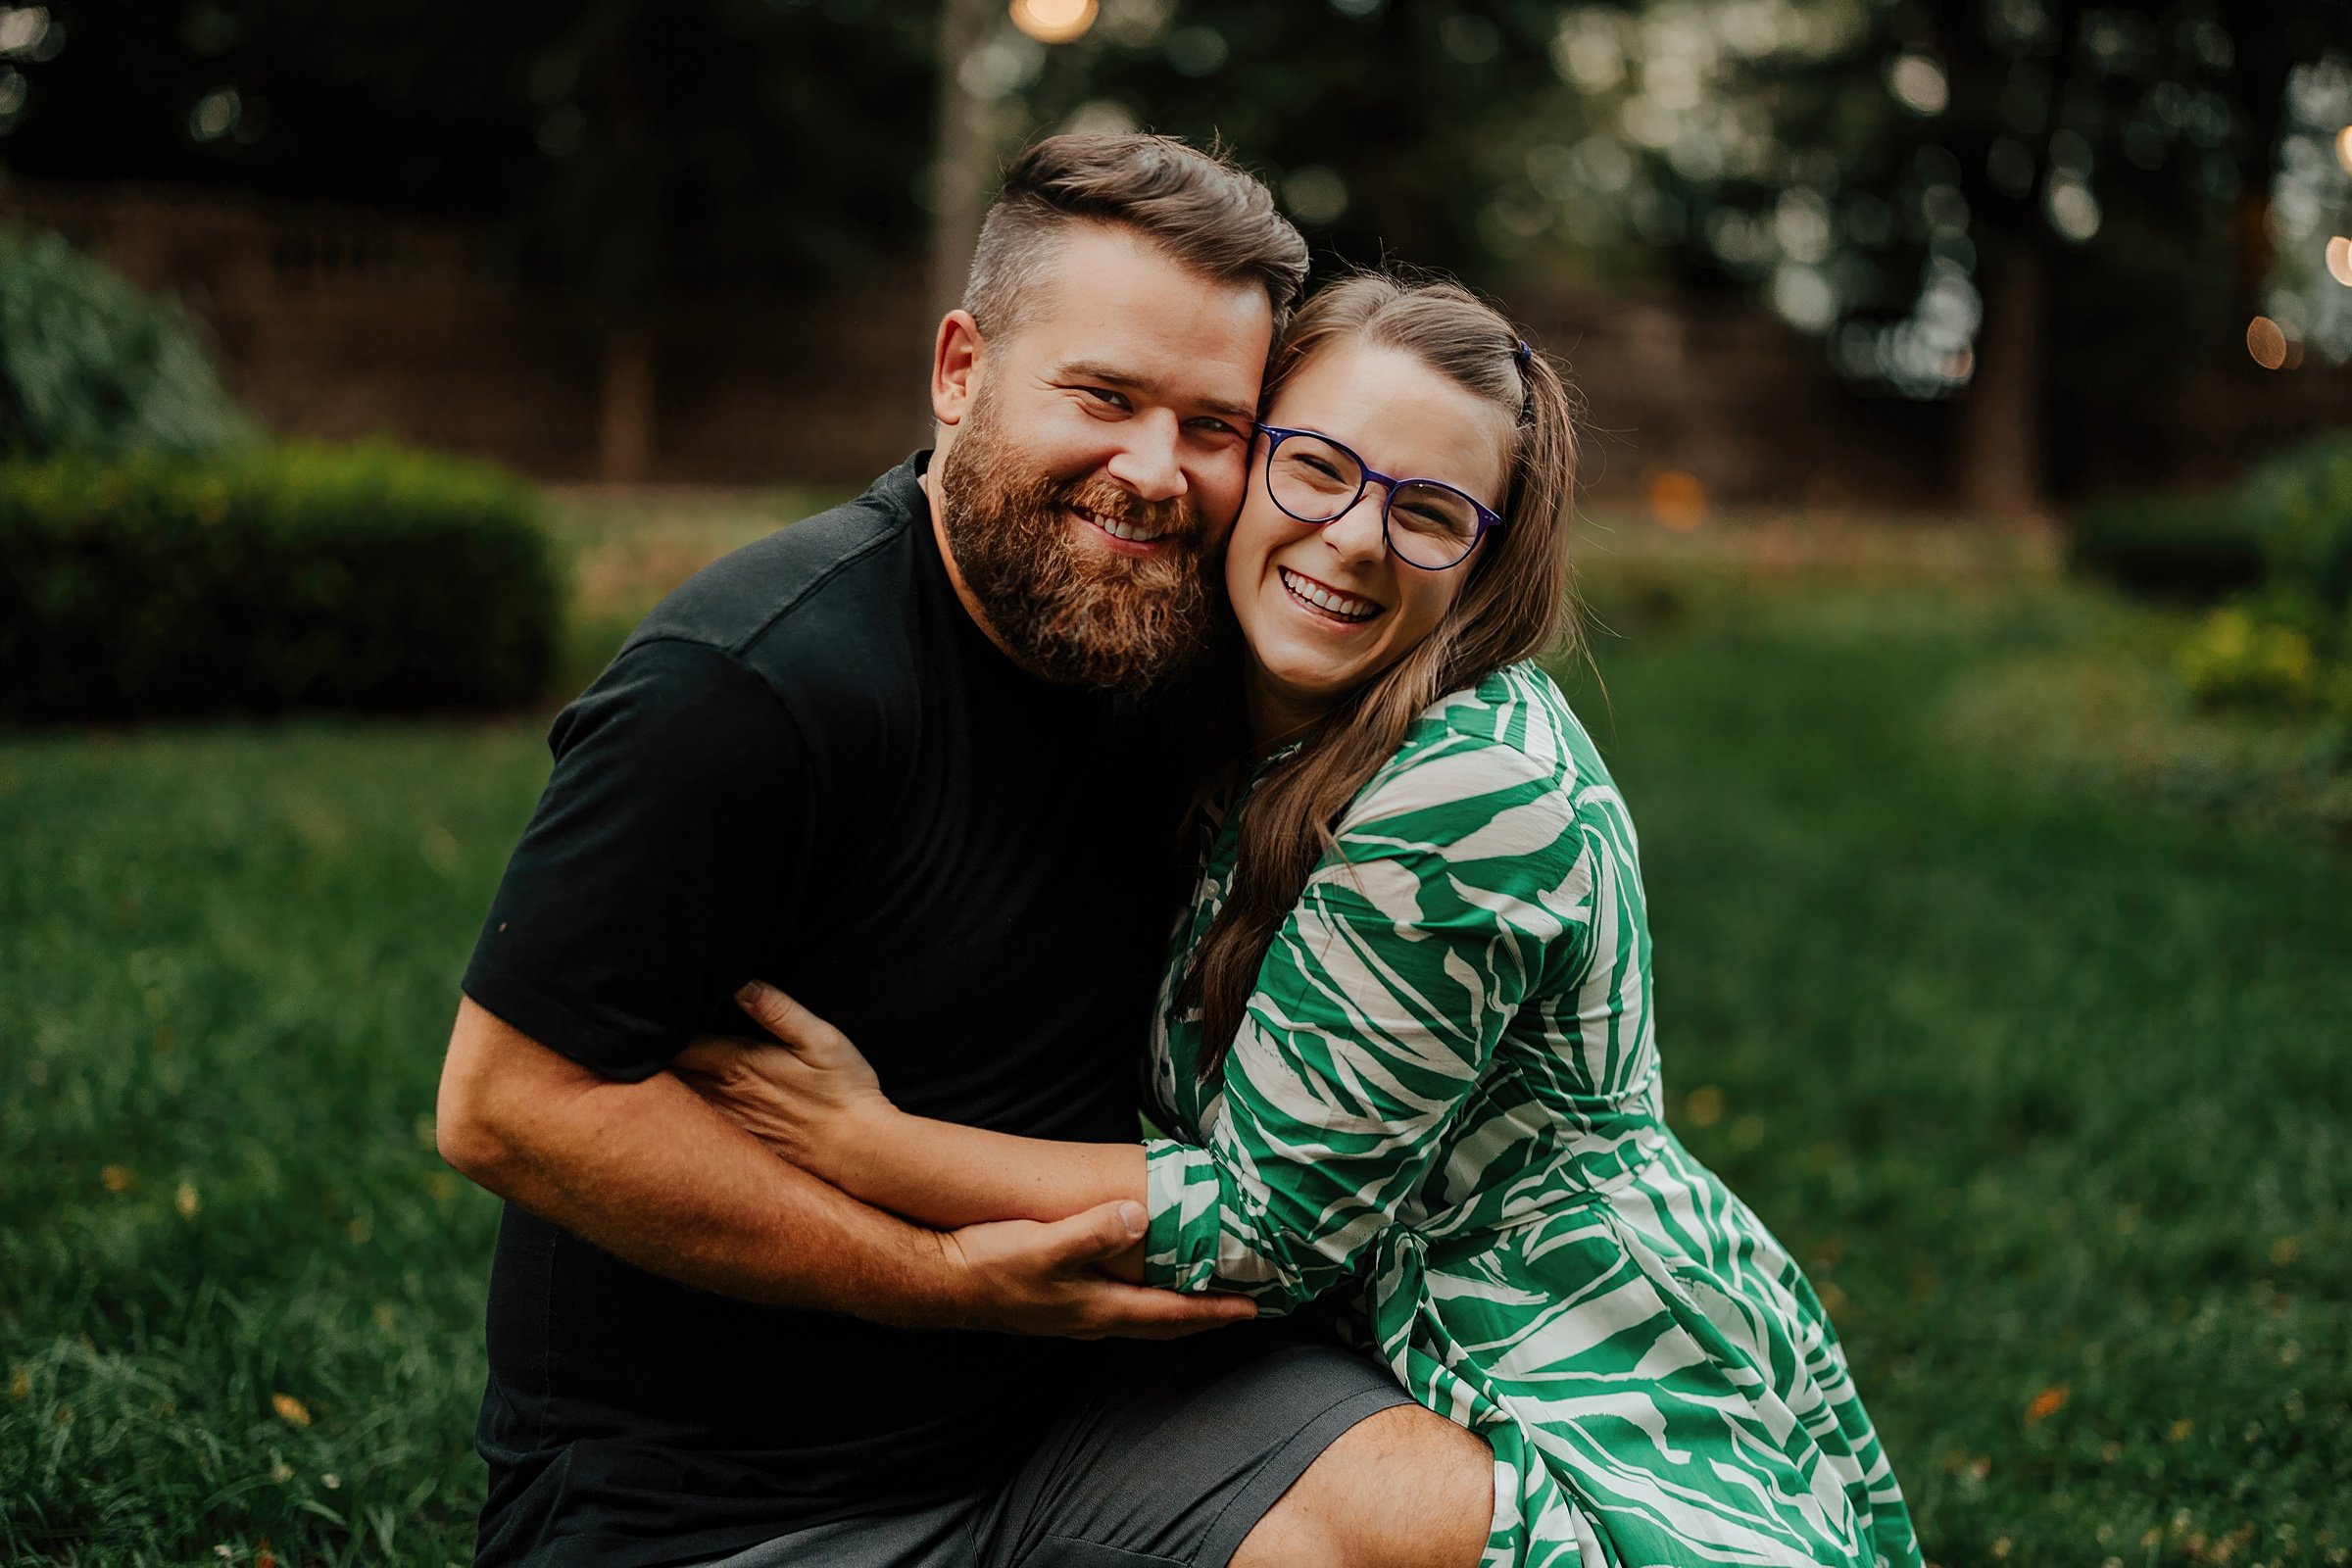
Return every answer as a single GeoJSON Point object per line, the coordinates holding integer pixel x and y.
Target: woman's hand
{"type": "Point", "coordinates": [812, 1097]}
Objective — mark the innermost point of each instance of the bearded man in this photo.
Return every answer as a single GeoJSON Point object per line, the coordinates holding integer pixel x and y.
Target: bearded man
{"type": "Point", "coordinates": [890, 759]}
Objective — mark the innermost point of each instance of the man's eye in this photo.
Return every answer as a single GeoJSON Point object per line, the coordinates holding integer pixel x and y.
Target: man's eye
{"type": "Point", "coordinates": [1104, 395]}
{"type": "Point", "coordinates": [1217, 429]}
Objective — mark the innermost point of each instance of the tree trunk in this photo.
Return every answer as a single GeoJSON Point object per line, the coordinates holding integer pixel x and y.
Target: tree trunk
{"type": "Point", "coordinates": [962, 166]}
{"type": "Point", "coordinates": [624, 424]}
{"type": "Point", "coordinates": [2001, 447]}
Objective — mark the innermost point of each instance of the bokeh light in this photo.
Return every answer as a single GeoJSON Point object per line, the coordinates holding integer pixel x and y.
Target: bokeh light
{"type": "Point", "coordinates": [2267, 341]}
{"type": "Point", "coordinates": [2339, 260]}
{"type": "Point", "coordinates": [1919, 84]}
{"type": "Point", "coordinates": [23, 29]}
{"type": "Point", "coordinates": [1677, 500]}
{"type": "Point", "coordinates": [2343, 148]}
{"type": "Point", "coordinates": [1315, 194]}
{"type": "Point", "coordinates": [1054, 20]}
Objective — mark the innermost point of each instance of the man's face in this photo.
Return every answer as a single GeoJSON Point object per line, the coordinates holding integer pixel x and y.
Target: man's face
{"type": "Point", "coordinates": [1097, 458]}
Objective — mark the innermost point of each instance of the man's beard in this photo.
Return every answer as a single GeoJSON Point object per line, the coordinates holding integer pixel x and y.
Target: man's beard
{"type": "Point", "coordinates": [1077, 615]}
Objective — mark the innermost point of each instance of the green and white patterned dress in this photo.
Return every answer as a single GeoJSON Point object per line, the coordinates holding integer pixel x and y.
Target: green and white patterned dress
{"type": "Point", "coordinates": [1445, 1098]}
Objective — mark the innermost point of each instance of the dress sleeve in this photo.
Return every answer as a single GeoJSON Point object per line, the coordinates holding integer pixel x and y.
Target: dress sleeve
{"type": "Point", "coordinates": [1377, 1010]}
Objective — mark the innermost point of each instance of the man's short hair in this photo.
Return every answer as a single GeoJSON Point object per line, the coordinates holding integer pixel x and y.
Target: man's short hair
{"type": "Point", "coordinates": [1198, 207]}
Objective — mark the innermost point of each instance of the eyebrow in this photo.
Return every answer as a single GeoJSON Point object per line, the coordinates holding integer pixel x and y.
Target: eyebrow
{"type": "Point", "coordinates": [1127, 380]}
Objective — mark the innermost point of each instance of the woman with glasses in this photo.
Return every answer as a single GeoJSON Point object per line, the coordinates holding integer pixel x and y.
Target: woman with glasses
{"type": "Point", "coordinates": [1405, 1051]}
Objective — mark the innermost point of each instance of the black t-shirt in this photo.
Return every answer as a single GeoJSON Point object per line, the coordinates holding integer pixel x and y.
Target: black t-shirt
{"type": "Point", "coordinates": [810, 766]}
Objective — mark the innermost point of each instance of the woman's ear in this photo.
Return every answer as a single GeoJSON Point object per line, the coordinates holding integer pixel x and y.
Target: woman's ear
{"type": "Point", "coordinates": [954, 367]}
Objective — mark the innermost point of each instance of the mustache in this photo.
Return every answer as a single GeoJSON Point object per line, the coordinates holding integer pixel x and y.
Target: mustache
{"type": "Point", "coordinates": [1180, 519]}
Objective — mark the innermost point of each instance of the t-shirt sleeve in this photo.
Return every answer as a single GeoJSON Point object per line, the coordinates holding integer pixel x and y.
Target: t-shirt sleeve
{"type": "Point", "coordinates": [662, 862]}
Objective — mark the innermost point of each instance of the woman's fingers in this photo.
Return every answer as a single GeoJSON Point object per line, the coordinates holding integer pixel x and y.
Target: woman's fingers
{"type": "Point", "coordinates": [709, 1056]}
{"type": "Point", "coordinates": [783, 1017]}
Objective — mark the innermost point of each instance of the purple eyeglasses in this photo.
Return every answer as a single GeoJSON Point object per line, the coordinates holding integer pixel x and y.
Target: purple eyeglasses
{"type": "Point", "coordinates": [1426, 523]}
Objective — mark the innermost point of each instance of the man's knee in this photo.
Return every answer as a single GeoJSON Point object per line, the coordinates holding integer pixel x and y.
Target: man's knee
{"type": "Point", "coordinates": [1404, 1489]}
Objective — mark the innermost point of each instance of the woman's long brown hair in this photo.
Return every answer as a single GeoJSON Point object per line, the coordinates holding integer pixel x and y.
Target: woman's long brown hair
{"type": "Point", "coordinates": [1516, 604]}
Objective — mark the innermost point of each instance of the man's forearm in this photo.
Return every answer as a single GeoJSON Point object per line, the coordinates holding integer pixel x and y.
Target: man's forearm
{"type": "Point", "coordinates": [653, 1175]}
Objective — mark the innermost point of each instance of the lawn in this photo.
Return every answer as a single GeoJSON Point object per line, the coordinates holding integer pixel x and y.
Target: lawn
{"type": "Point", "coordinates": [2049, 1093]}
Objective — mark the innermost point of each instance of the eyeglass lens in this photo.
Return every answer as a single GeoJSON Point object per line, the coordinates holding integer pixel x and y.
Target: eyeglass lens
{"type": "Point", "coordinates": [1428, 524]}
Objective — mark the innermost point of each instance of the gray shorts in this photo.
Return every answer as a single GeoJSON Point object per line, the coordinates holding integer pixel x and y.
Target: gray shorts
{"type": "Point", "coordinates": [1174, 1465]}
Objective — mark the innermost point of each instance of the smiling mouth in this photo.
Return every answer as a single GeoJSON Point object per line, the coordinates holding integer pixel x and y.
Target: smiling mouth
{"type": "Point", "coordinates": [1123, 530]}
{"type": "Point", "coordinates": [1326, 599]}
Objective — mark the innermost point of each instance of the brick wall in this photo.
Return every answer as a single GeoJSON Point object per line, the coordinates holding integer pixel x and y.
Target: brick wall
{"type": "Point", "coordinates": [339, 321]}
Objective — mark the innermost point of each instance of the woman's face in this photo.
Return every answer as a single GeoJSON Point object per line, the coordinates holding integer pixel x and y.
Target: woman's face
{"type": "Point", "coordinates": [1325, 608]}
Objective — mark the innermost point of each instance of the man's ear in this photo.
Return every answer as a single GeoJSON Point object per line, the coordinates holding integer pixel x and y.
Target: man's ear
{"type": "Point", "coordinates": [954, 367]}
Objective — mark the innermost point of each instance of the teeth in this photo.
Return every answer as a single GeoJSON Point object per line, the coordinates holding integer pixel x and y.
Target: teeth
{"type": "Point", "coordinates": [1344, 605]}
{"type": "Point", "coordinates": [1117, 528]}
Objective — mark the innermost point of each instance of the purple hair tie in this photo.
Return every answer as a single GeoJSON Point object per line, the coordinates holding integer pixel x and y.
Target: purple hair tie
{"type": "Point", "coordinates": [1523, 354]}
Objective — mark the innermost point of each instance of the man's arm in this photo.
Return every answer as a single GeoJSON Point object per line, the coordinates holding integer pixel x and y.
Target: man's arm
{"type": "Point", "coordinates": [815, 1100]}
{"type": "Point", "coordinates": [651, 1174]}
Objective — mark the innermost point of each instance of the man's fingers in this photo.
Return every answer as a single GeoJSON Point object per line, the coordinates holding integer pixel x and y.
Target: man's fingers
{"type": "Point", "coordinates": [1139, 1312]}
{"type": "Point", "coordinates": [1095, 1234]}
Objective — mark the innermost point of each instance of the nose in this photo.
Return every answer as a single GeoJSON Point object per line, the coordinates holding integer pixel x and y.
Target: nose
{"type": "Point", "coordinates": [1358, 534]}
{"type": "Point", "coordinates": [1147, 462]}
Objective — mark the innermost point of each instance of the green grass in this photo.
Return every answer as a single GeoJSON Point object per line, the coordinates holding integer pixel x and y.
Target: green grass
{"type": "Point", "coordinates": [2096, 702]}
{"type": "Point", "coordinates": [2049, 1093]}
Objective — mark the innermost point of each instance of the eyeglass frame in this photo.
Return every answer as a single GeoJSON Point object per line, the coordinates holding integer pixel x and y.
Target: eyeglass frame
{"type": "Point", "coordinates": [1489, 519]}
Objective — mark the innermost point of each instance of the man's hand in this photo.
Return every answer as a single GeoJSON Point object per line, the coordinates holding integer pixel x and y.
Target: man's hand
{"type": "Point", "coordinates": [1026, 1276]}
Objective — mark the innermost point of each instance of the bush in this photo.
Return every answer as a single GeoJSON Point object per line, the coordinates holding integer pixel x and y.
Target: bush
{"type": "Point", "coordinates": [2302, 506]}
{"type": "Point", "coordinates": [2201, 547]}
{"type": "Point", "coordinates": [90, 363]}
{"type": "Point", "coordinates": [355, 579]}
{"type": "Point", "coordinates": [2234, 657]}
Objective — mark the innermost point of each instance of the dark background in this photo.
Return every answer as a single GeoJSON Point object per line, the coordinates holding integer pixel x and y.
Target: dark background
{"type": "Point", "coordinates": [1980, 254]}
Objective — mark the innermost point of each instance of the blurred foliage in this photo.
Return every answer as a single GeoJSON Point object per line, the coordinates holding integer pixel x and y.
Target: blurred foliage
{"type": "Point", "coordinates": [1387, 129]}
{"type": "Point", "coordinates": [2200, 546]}
{"type": "Point", "coordinates": [1956, 195]}
{"type": "Point", "coordinates": [2101, 696]}
{"type": "Point", "coordinates": [2278, 546]}
{"type": "Point", "coordinates": [2288, 644]}
{"type": "Point", "coordinates": [1897, 167]}
{"type": "Point", "coordinates": [269, 580]}
{"type": "Point", "coordinates": [2302, 506]}
{"type": "Point", "coordinates": [2237, 657]}
{"type": "Point", "coordinates": [1893, 175]}
{"type": "Point", "coordinates": [618, 144]}
{"type": "Point", "coordinates": [88, 364]}
{"type": "Point", "coordinates": [2288, 526]}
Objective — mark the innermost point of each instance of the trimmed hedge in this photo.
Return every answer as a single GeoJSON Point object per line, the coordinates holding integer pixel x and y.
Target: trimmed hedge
{"type": "Point", "coordinates": [267, 579]}
{"type": "Point", "coordinates": [2198, 547]}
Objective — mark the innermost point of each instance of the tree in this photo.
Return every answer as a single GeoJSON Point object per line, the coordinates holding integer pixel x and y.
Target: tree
{"type": "Point", "coordinates": [1988, 200]}
{"type": "Point", "coordinates": [1385, 127]}
{"type": "Point", "coordinates": [620, 149]}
